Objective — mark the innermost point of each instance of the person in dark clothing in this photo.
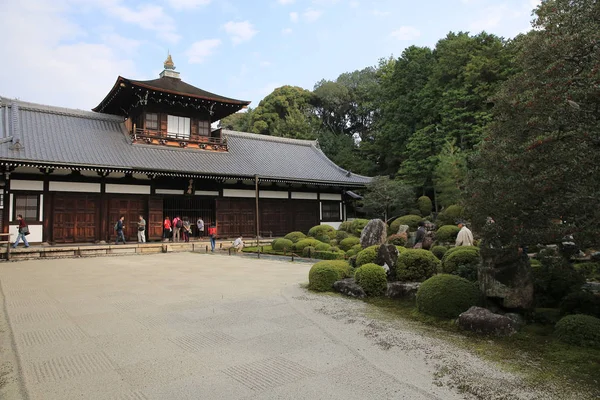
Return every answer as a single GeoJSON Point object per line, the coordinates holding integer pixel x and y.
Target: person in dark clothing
{"type": "Point", "coordinates": [23, 231]}
{"type": "Point", "coordinates": [420, 235]}
{"type": "Point", "coordinates": [119, 226]}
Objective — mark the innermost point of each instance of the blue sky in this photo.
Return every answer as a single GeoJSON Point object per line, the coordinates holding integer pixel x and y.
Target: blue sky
{"type": "Point", "coordinates": [70, 52]}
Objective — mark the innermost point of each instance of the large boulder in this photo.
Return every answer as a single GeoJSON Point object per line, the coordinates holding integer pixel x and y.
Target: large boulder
{"type": "Point", "coordinates": [402, 290]}
{"type": "Point", "coordinates": [481, 320]}
{"type": "Point", "coordinates": [350, 288]}
{"type": "Point", "coordinates": [593, 287]}
{"type": "Point", "coordinates": [387, 255]}
{"type": "Point", "coordinates": [403, 230]}
{"type": "Point", "coordinates": [374, 233]}
{"type": "Point", "coordinates": [595, 256]}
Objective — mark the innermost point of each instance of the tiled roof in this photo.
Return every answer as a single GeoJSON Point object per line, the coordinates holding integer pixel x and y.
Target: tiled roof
{"type": "Point", "coordinates": [55, 136]}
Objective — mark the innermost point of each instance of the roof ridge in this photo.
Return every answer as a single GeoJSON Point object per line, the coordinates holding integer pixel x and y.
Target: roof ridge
{"type": "Point", "coordinates": [257, 136]}
{"type": "Point", "coordinates": [25, 105]}
{"type": "Point", "coordinates": [324, 156]}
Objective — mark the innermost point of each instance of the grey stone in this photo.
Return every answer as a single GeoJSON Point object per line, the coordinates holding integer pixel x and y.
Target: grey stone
{"type": "Point", "coordinates": [402, 229]}
{"type": "Point", "coordinates": [482, 320]}
{"type": "Point", "coordinates": [593, 287]}
{"type": "Point", "coordinates": [387, 255]}
{"type": "Point", "coordinates": [402, 290]}
{"type": "Point", "coordinates": [595, 256]}
{"type": "Point", "coordinates": [517, 319]}
{"type": "Point", "coordinates": [375, 232]}
{"type": "Point", "coordinates": [350, 288]}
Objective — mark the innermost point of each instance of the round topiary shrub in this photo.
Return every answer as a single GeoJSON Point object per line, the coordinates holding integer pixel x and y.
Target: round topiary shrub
{"type": "Point", "coordinates": [333, 242]}
{"type": "Point", "coordinates": [322, 247]}
{"type": "Point", "coordinates": [321, 277]}
{"type": "Point", "coordinates": [334, 248]}
{"type": "Point", "coordinates": [341, 235]}
{"type": "Point", "coordinates": [351, 253]}
{"type": "Point", "coordinates": [330, 255]}
{"type": "Point", "coordinates": [301, 244]}
{"type": "Point", "coordinates": [447, 233]}
{"type": "Point", "coordinates": [282, 245]}
{"type": "Point", "coordinates": [346, 226]}
{"type": "Point", "coordinates": [320, 231]}
{"type": "Point", "coordinates": [449, 215]}
{"type": "Point", "coordinates": [367, 256]}
{"type": "Point", "coordinates": [466, 257]}
{"type": "Point", "coordinates": [439, 251]}
{"type": "Point", "coordinates": [372, 278]}
{"type": "Point", "coordinates": [581, 303]}
{"type": "Point", "coordinates": [410, 220]}
{"type": "Point", "coordinates": [348, 243]}
{"type": "Point", "coordinates": [323, 239]}
{"type": "Point", "coordinates": [295, 236]}
{"type": "Point", "coordinates": [446, 296]}
{"type": "Point", "coordinates": [401, 249]}
{"type": "Point", "coordinates": [308, 251]}
{"type": "Point", "coordinates": [397, 240]}
{"type": "Point", "coordinates": [358, 225]}
{"type": "Point", "coordinates": [580, 330]}
{"type": "Point", "coordinates": [357, 247]}
{"type": "Point", "coordinates": [425, 205]}
{"type": "Point", "coordinates": [416, 265]}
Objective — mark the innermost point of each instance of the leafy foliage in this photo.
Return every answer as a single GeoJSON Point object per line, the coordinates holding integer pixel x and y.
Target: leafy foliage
{"type": "Point", "coordinates": [416, 265]}
{"type": "Point", "coordinates": [301, 244]}
{"type": "Point", "coordinates": [447, 233]}
{"type": "Point", "coordinates": [410, 220]}
{"type": "Point", "coordinates": [425, 205]}
{"type": "Point", "coordinates": [397, 240]}
{"type": "Point", "coordinates": [348, 243]}
{"type": "Point", "coordinates": [439, 251]}
{"type": "Point", "coordinates": [367, 255]}
{"type": "Point", "coordinates": [461, 261]}
{"type": "Point", "coordinates": [282, 244]}
{"type": "Point", "coordinates": [450, 214]}
{"type": "Point", "coordinates": [580, 330]}
{"type": "Point", "coordinates": [555, 279]}
{"type": "Point", "coordinates": [323, 274]}
{"type": "Point", "coordinates": [372, 278]}
{"type": "Point", "coordinates": [322, 247]}
{"type": "Point", "coordinates": [581, 303]}
{"type": "Point", "coordinates": [385, 196]}
{"type": "Point", "coordinates": [320, 231]}
{"type": "Point", "coordinates": [450, 175]}
{"type": "Point", "coordinates": [295, 236]}
{"type": "Point", "coordinates": [447, 296]}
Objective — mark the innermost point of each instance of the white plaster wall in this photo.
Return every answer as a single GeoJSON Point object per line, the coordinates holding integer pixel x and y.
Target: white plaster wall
{"type": "Point", "coordinates": [168, 191]}
{"type": "Point", "coordinates": [238, 193]}
{"type": "Point", "coordinates": [336, 225]}
{"type": "Point", "coordinates": [206, 193]}
{"type": "Point", "coordinates": [304, 196]}
{"type": "Point", "coordinates": [272, 194]}
{"type": "Point", "coordinates": [127, 189]}
{"type": "Point", "coordinates": [35, 235]}
{"type": "Point", "coordinates": [18, 184]}
{"type": "Point", "coordinates": [331, 196]}
{"type": "Point", "coordinates": [74, 187]}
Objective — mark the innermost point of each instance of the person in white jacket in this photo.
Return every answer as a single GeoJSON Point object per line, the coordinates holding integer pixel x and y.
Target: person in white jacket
{"type": "Point", "coordinates": [465, 236]}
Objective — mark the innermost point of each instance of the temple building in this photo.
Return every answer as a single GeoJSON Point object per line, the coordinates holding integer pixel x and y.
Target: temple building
{"type": "Point", "coordinates": [149, 149]}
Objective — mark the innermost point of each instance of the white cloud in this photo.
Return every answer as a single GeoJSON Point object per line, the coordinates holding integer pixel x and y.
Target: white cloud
{"type": "Point", "coordinates": [202, 49]}
{"type": "Point", "coordinates": [265, 64]}
{"type": "Point", "coordinates": [354, 4]}
{"type": "Point", "coordinates": [240, 31]}
{"type": "Point", "coordinates": [294, 16]}
{"type": "Point", "coordinates": [311, 15]}
{"type": "Point", "coordinates": [121, 43]}
{"type": "Point", "coordinates": [406, 33]}
{"type": "Point", "coordinates": [379, 13]}
{"type": "Point", "coordinates": [286, 31]}
{"type": "Point", "coordinates": [188, 4]}
{"type": "Point", "coordinates": [286, 2]}
{"type": "Point", "coordinates": [325, 2]}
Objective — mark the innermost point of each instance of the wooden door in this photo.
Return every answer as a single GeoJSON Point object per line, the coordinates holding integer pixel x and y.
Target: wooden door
{"type": "Point", "coordinates": [131, 207]}
{"type": "Point", "coordinates": [155, 218]}
{"type": "Point", "coordinates": [236, 217]}
{"type": "Point", "coordinates": [75, 218]}
{"type": "Point", "coordinates": [305, 215]}
{"type": "Point", "coordinates": [276, 217]}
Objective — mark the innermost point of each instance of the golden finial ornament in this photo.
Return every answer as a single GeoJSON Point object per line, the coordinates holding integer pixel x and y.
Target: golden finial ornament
{"type": "Point", "coordinates": [169, 64]}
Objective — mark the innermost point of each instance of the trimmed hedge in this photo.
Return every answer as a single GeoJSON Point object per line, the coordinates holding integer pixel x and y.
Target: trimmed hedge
{"type": "Point", "coordinates": [282, 245]}
{"type": "Point", "coordinates": [397, 240]}
{"type": "Point", "coordinates": [308, 251]}
{"type": "Point", "coordinates": [367, 255]}
{"type": "Point", "coordinates": [321, 231]}
{"type": "Point", "coordinates": [401, 249]}
{"type": "Point", "coordinates": [447, 296]}
{"type": "Point", "coordinates": [581, 303]}
{"type": "Point", "coordinates": [447, 233]}
{"type": "Point", "coordinates": [300, 245]}
{"type": "Point", "coordinates": [416, 265]}
{"type": "Point", "coordinates": [341, 235]}
{"type": "Point", "coordinates": [461, 261]}
{"type": "Point", "coordinates": [323, 239]}
{"type": "Point", "coordinates": [439, 251]}
{"type": "Point", "coordinates": [323, 274]}
{"type": "Point", "coordinates": [295, 236]}
{"type": "Point", "coordinates": [346, 226]}
{"type": "Point", "coordinates": [358, 225]}
{"type": "Point", "coordinates": [410, 220]}
{"type": "Point", "coordinates": [322, 247]}
{"type": "Point", "coordinates": [425, 205]}
{"type": "Point", "coordinates": [580, 330]}
{"type": "Point", "coordinates": [348, 243]}
{"type": "Point", "coordinates": [450, 214]}
{"type": "Point", "coordinates": [329, 255]}
{"type": "Point", "coordinates": [372, 278]}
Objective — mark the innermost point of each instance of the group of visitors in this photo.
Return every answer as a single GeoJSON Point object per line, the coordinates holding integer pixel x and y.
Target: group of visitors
{"type": "Point", "coordinates": [141, 229]}
{"type": "Point", "coordinates": [424, 237]}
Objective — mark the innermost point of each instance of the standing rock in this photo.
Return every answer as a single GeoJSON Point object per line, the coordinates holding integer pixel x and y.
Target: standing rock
{"type": "Point", "coordinates": [595, 256]}
{"type": "Point", "coordinates": [374, 233]}
{"type": "Point", "coordinates": [403, 230]}
{"type": "Point", "coordinates": [481, 320]}
{"type": "Point", "coordinates": [402, 290]}
{"type": "Point", "coordinates": [350, 288]}
{"type": "Point", "coordinates": [387, 255]}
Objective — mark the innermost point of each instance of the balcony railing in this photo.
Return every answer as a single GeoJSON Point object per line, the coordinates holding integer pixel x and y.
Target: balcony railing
{"type": "Point", "coordinates": [213, 142]}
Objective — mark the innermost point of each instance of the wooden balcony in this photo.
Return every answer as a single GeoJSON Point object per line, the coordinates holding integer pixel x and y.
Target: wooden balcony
{"type": "Point", "coordinates": [214, 142]}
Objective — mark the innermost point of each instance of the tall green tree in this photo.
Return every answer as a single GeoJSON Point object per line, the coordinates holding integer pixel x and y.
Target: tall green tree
{"type": "Point", "coordinates": [385, 196]}
{"type": "Point", "coordinates": [450, 175]}
{"type": "Point", "coordinates": [540, 162]}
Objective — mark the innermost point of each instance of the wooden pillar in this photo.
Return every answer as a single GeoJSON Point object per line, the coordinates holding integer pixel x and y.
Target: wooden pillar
{"type": "Point", "coordinates": [257, 211]}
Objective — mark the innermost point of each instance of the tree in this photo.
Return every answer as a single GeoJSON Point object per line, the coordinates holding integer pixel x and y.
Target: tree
{"type": "Point", "coordinates": [449, 175]}
{"type": "Point", "coordinates": [240, 121]}
{"type": "Point", "coordinates": [385, 196]}
{"type": "Point", "coordinates": [540, 161]}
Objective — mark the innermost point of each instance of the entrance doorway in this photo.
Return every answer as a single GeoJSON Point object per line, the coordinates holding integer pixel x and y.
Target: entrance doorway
{"type": "Point", "coordinates": [192, 208]}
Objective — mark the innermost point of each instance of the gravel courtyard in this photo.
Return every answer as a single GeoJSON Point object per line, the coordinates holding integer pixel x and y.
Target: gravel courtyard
{"type": "Point", "coordinates": [196, 326]}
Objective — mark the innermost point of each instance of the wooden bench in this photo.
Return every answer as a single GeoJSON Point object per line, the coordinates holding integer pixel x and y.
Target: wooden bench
{"type": "Point", "coordinates": [6, 242]}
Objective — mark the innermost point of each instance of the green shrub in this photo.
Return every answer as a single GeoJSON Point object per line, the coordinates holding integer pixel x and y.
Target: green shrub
{"type": "Point", "coordinates": [352, 261]}
{"type": "Point", "coordinates": [535, 263]}
{"type": "Point", "coordinates": [282, 245]}
{"type": "Point", "coordinates": [546, 316]}
{"type": "Point", "coordinates": [439, 251]}
{"type": "Point", "coordinates": [580, 330]}
{"type": "Point", "coordinates": [555, 279]}
{"type": "Point", "coordinates": [346, 226]}
{"type": "Point", "coordinates": [416, 265]}
{"type": "Point", "coordinates": [322, 231]}
{"type": "Point", "coordinates": [446, 296]}
{"type": "Point", "coordinates": [425, 205]}
{"type": "Point", "coordinates": [581, 303]}
{"type": "Point", "coordinates": [334, 248]}
{"type": "Point", "coordinates": [414, 211]}
{"type": "Point", "coordinates": [341, 235]}
{"type": "Point", "coordinates": [358, 225]}
{"type": "Point", "coordinates": [322, 277]}
{"type": "Point", "coordinates": [401, 249]}
{"type": "Point", "coordinates": [590, 270]}
{"type": "Point", "coordinates": [322, 247]}
{"type": "Point", "coordinates": [461, 261]}
{"type": "Point", "coordinates": [367, 256]}
{"type": "Point", "coordinates": [349, 242]}
{"type": "Point", "coordinates": [295, 236]}
{"type": "Point", "coordinates": [397, 240]}
{"type": "Point", "coordinates": [372, 278]}
{"type": "Point", "coordinates": [410, 220]}
{"type": "Point", "coordinates": [323, 239]}
{"type": "Point", "coordinates": [301, 244]}
{"type": "Point", "coordinates": [449, 215]}
{"type": "Point", "coordinates": [333, 242]}
{"type": "Point", "coordinates": [351, 253]}
{"type": "Point", "coordinates": [308, 251]}
{"type": "Point", "coordinates": [357, 247]}
{"type": "Point", "coordinates": [329, 255]}
{"type": "Point", "coordinates": [447, 233]}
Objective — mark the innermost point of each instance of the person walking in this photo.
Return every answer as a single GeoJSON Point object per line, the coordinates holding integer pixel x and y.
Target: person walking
{"type": "Point", "coordinates": [23, 231]}
{"type": "Point", "coordinates": [200, 225]}
{"type": "Point", "coordinates": [187, 229]}
{"type": "Point", "coordinates": [119, 226]}
{"type": "Point", "coordinates": [212, 233]}
{"type": "Point", "coordinates": [167, 228]}
{"type": "Point", "coordinates": [141, 230]}
{"type": "Point", "coordinates": [465, 236]}
{"type": "Point", "coordinates": [420, 236]}
{"type": "Point", "coordinates": [177, 225]}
